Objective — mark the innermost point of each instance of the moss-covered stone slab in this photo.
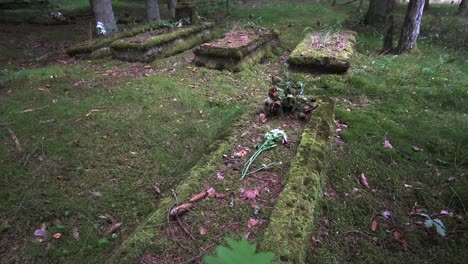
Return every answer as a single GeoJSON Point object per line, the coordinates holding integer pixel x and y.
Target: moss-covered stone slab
{"type": "Point", "coordinates": [236, 50]}
{"type": "Point", "coordinates": [291, 221]}
{"type": "Point", "coordinates": [100, 47]}
{"type": "Point", "coordinates": [328, 52]}
{"type": "Point", "coordinates": [161, 43]}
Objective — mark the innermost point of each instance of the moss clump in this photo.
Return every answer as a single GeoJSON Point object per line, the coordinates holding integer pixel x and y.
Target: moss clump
{"type": "Point", "coordinates": [324, 52]}
{"type": "Point", "coordinates": [91, 46]}
{"type": "Point", "coordinates": [291, 221]}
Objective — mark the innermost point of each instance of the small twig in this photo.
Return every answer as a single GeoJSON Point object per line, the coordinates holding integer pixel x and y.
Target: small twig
{"type": "Point", "coordinates": [184, 229]}
{"type": "Point", "coordinates": [264, 167]}
{"type": "Point", "coordinates": [16, 140]}
{"type": "Point", "coordinates": [172, 235]}
{"type": "Point", "coordinates": [174, 194]}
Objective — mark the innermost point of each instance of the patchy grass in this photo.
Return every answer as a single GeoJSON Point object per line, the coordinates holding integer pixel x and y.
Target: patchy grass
{"type": "Point", "coordinates": [416, 101]}
{"type": "Point", "coordinates": [103, 133]}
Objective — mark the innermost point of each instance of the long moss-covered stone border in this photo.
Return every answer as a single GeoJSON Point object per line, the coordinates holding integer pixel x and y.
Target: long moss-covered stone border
{"type": "Point", "coordinates": [102, 44]}
{"type": "Point", "coordinates": [327, 56]}
{"type": "Point", "coordinates": [235, 59]}
{"type": "Point", "coordinates": [291, 221]}
{"type": "Point", "coordinates": [163, 45]}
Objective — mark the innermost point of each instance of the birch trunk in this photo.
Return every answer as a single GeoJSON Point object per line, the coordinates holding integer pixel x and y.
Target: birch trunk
{"type": "Point", "coordinates": [410, 30]}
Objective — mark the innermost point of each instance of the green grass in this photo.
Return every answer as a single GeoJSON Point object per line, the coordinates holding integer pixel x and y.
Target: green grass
{"type": "Point", "coordinates": [132, 143]}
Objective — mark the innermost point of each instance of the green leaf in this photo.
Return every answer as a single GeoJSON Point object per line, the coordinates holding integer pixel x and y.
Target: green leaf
{"type": "Point", "coordinates": [60, 227]}
{"type": "Point", "coordinates": [428, 223]}
{"type": "Point", "coordinates": [440, 228]}
{"type": "Point", "coordinates": [103, 241]}
{"type": "Point", "coordinates": [239, 252]}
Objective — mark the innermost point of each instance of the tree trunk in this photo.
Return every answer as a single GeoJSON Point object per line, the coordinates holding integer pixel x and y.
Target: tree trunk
{"type": "Point", "coordinates": [462, 8]}
{"type": "Point", "coordinates": [410, 30]}
{"type": "Point", "coordinates": [152, 10]}
{"type": "Point", "coordinates": [103, 13]}
{"type": "Point", "coordinates": [376, 12]}
{"type": "Point", "coordinates": [389, 26]}
{"type": "Point", "coordinates": [228, 7]}
{"type": "Point", "coordinates": [172, 4]}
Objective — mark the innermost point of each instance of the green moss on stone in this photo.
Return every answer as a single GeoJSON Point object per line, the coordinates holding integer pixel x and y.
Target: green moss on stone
{"type": "Point", "coordinates": [123, 44]}
{"type": "Point", "coordinates": [291, 221]}
{"type": "Point", "coordinates": [89, 47]}
{"type": "Point", "coordinates": [327, 54]}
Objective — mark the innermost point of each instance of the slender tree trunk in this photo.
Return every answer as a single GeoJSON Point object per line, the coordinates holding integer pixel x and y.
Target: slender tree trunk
{"type": "Point", "coordinates": [376, 12]}
{"type": "Point", "coordinates": [426, 5]}
{"type": "Point", "coordinates": [410, 30]}
{"type": "Point", "coordinates": [389, 26]}
{"type": "Point", "coordinates": [152, 10]}
{"type": "Point", "coordinates": [172, 5]}
{"type": "Point", "coordinates": [462, 8]}
{"type": "Point", "coordinates": [103, 13]}
{"type": "Point", "coordinates": [228, 7]}
{"type": "Point", "coordinates": [333, 2]}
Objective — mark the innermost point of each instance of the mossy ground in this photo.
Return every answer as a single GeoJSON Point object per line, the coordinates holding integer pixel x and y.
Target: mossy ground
{"type": "Point", "coordinates": [115, 128]}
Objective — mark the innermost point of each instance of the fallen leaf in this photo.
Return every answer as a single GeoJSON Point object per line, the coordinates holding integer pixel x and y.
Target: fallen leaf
{"type": "Point", "coordinates": [387, 144]}
{"type": "Point", "coordinates": [252, 222]}
{"type": "Point", "coordinates": [203, 231]}
{"type": "Point", "coordinates": [250, 194]}
{"type": "Point", "coordinates": [386, 214]}
{"type": "Point", "coordinates": [374, 225]}
{"type": "Point", "coordinates": [451, 179]}
{"type": "Point", "coordinates": [417, 149]}
{"type": "Point", "coordinates": [404, 245]}
{"type": "Point", "coordinates": [363, 181]}
{"type": "Point", "coordinates": [444, 212]}
{"type": "Point", "coordinates": [211, 192]}
{"type": "Point", "coordinates": [75, 233]}
{"type": "Point", "coordinates": [262, 118]}
{"type": "Point", "coordinates": [397, 235]}
{"type": "Point", "coordinates": [355, 190]}
{"type": "Point", "coordinates": [96, 194]}
{"type": "Point", "coordinates": [40, 232]}
{"type": "Point", "coordinates": [375, 240]}
{"type": "Point", "coordinates": [57, 235]}
{"type": "Point", "coordinates": [113, 228]}
{"type": "Point", "coordinates": [241, 153]}
{"type": "Point", "coordinates": [29, 110]}
{"type": "Point", "coordinates": [219, 175]}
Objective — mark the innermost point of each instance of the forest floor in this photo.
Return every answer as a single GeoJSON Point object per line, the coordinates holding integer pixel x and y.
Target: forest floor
{"type": "Point", "coordinates": [85, 141]}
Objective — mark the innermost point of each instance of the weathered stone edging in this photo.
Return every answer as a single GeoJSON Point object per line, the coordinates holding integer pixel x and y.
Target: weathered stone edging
{"type": "Point", "coordinates": [100, 47]}
{"type": "Point", "coordinates": [291, 221]}
{"type": "Point", "coordinates": [325, 52]}
{"type": "Point", "coordinates": [235, 59]}
{"type": "Point", "coordinates": [162, 45]}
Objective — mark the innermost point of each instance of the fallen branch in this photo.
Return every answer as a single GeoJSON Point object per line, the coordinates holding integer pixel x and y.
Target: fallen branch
{"type": "Point", "coordinates": [16, 140]}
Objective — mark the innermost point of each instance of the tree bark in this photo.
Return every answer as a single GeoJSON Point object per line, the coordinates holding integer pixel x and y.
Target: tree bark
{"type": "Point", "coordinates": [426, 5]}
{"type": "Point", "coordinates": [389, 26]}
{"type": "Point", "coordinates": [228, 7]}
{"type": "Point", "coordinates": [172, 5]}
{"type": "Point", "coordinates": [152, 10]}
{"type": "Point", "coordinates": [103, 13]}
{"type": "Point", "coordinates": [410, 30]}
{"type": "Point", "coordinates": [376, 12]}
{"type": "Point", "coordinates": [462, 8]}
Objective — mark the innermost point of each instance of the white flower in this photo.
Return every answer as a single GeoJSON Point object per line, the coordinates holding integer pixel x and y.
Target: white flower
{"type": "Point", "coordinates": [101, 29]}
{"type": "Point", "coordinates": [277, 132]}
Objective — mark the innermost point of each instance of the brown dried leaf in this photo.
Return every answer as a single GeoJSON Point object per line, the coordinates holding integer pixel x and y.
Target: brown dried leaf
{"type": "Point", "coordinates": [374, 225]}
{"type": "Point", "coordinates": [203, 231]}
{"type": "Point", "coordinates": [363, 181]}
{"type": "Point", "coordinates": [113, 228]}
{"type": "Point", "coordinates": [397, 235]}
{"type": "Point", "coordinates": [405, 245]}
